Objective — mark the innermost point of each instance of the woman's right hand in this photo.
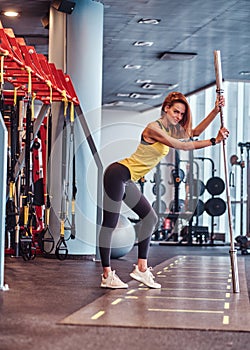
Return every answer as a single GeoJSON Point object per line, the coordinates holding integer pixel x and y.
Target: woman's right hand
{"type": "Point", "coordinates": [223, 134]}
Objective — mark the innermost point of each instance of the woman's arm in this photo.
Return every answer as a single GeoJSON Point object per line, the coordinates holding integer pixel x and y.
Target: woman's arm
{"type": "Point", "coordinates": [153, 133]}
{"type": "Point", "coordinates": [220, 102]}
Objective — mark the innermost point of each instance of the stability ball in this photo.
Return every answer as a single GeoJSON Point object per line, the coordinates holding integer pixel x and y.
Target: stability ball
{"type": "Point", "coordinates": [123, 238]}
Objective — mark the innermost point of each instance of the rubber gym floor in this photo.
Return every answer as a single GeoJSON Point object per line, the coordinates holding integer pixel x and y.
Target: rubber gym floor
{"type": "Point", "coordinates": [54, 304]}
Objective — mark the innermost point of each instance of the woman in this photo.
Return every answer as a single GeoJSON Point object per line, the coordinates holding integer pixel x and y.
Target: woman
{"type": "Point", "coordinates": [120, 177]}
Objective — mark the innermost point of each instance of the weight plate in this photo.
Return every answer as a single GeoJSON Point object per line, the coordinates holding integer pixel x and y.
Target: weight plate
{"type": "Point", "coordinates": [161, 189]}
{"type": "Point", "coordinates": [215, 206]}
{"type": "Point", "coordinates": [181, 206]}
{"type": "Point", "coordinates": [215, 185]}
{"type": "Point", "coordinates": [162, 208]}
{"type": "Point", "coordinates": [196, 206]}
{"type": "Point", "coordinates": [197, 188]}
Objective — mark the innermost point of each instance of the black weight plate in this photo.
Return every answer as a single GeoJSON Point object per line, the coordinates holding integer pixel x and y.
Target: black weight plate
{"type": "Point", "coordinates": [181, 206]}
{"type": "Point", "coordinates": [163, 206]}
{"type": "Point", "coordinates": [196, 206]}
{"type": "Point", "coordinates": [215, 186]}
{"type": "Point", "coordinates": [198, 188]}
{"type": "Point", "coordinates": [215, 206]}
{"type": "Point", "coordinates": [162, 189]}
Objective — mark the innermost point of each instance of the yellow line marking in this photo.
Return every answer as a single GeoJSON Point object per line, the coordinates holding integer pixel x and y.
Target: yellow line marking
{"type": "Point", "coordinates": [187, 311]}
{"type": "Point", "coordinates": [131, 297]}
{"type": "Point", "coordinates": [98, 315]}
{"type": "Point", "coordinates": [199, 272]}
{"type": "Point", "coordinates": [226, 306]}
{"type": "Point", "coordinates": [117, 301]}
{"type": "Point", "coordinates": [185, 298]}
{"type": "Point", "coordinates": [228, 287]}
{"type": "Point", "coordinates": [228, 295]}
{"type": "Point", "coordinates": [159, 272]}
{"type": "Point", "coordinates": [165, 268]}
{"type": "Point", "coordinates": [194, 290]}
{"type": "Point", "coordinates": [225, 320]}
{"type": "Point", "coordinates": [180, 267]}
{"type": "Point", "coordinates": [203, 267]}
{"type": "Point", "coordinates": [131, 291]}
{"type": "Point", "coordinates": [205, 282]}
{"type": "Point", "coordinates": [203, 277]}
{"type": "Point", "coordinates": [229, 280]}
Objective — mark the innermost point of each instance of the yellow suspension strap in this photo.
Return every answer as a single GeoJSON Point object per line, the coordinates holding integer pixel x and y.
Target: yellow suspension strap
{"type": "Point", "coordinates": [27, 247]}
{"type": "Point", "coordinates": [61, 250]}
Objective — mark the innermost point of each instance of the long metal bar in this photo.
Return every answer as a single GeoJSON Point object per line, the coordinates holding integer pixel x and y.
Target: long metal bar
{"type": "Point", "coordinates": [233, 252]}
{"type": "Point", "coordinates": [99, 165]}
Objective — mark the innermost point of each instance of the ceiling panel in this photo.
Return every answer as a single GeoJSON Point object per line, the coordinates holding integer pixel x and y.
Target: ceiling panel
{"type": "Point", "coordinates": [184, 26]}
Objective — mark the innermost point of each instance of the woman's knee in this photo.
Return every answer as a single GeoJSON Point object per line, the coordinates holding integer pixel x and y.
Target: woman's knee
{"type": "Point", "coordinates": [151, 219]}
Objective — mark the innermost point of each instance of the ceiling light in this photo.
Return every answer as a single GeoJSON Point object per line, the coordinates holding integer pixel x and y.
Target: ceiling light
{"type": "Point", "coordinates": [122, 104]}
{"type": "Point", "coordinates": [149, 21]}
{"type": "Point", "coordinates": [140, 81]}
{"type": "Point", "coordinates": [140, 95]}
{"type": "Point", "coordinates": [143, 43]}
{"type": "Point", "coordinates": [246, 72]}
{"type": "Point", "coordinates": [132, 66]}
{"type": "Point", "coordinates": [10, 13]}
{"type": "Point", "coordinates": [164, 86]}
{"type": "Point", "coordinates": [172, 56]}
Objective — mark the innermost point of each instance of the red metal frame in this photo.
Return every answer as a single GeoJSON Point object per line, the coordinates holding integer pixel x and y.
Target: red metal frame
{"type": "Point", "coordinates": [21, 61]}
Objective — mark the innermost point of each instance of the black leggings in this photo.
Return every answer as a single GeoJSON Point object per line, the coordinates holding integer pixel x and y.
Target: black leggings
{"type": "Point", "coordinates": [118, 187]}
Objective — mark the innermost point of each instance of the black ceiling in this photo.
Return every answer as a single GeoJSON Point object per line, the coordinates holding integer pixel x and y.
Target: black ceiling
{"type": "Point", "coordinates": [194, 26]}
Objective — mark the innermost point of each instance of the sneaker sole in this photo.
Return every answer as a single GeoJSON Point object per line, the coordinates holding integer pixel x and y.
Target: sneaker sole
{"type": "Point", "coordinates": [114, 287]}
{"type": "Point", "coordinates": [139, 279]}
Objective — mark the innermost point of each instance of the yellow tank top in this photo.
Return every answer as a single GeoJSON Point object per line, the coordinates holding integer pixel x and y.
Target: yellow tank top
{"type": "Point", "coordinates": [145, 158]}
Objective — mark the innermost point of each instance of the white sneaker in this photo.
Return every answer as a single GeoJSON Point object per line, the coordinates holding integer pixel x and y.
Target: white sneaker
{"type": "Point", "coordinates": [112, 281]}
{"type": "Point", "coordinates": [146, 277]}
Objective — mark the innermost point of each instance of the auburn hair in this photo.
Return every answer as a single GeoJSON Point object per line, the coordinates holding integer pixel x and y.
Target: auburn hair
{"type": "Point", "coordinates": [184, 128]}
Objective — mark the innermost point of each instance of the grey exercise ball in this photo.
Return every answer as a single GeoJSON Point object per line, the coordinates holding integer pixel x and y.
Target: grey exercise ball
{"type": "Point", "coordinates": [123, 238]}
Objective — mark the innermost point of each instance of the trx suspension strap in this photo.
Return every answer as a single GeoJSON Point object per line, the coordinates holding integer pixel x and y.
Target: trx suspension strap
{"type": "Point", "coordinates": [45, 239]}
{"type": "Point", "coordinates": [61, 247]}
{"type": "Point", "coordinates": [27, 247]}
{"type": "Point", "coordinates": [12, 211]}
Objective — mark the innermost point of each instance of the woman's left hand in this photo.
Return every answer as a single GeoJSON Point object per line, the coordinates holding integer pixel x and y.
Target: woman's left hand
{"type": "Point", "coordinates": [220, 102]}
{"type": "Point", "coordinates": [223, 134]}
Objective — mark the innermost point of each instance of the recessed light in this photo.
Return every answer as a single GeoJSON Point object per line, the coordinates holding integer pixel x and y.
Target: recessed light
{"type": "Point", "coordinates": [246, 72]}
{"type": "Point", "coordinates": [128, 104]}
{"type": "Point", "coordinates": [172, 56]}
{"type": "Point", "coordinates": [10, 13]}
{"type": "Point", "coordinates": [143, 43]}
{"type": "Point", "coordinates": [149, 21]}
{"type": "Point", "coordinates": [132, 66]}
{"type": "Point", "coordinates": [165, 86]}
{"type": "Point", "coordinates": [135, 95]}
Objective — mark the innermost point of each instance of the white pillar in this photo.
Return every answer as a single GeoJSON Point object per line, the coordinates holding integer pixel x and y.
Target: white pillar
{"type": "Point", "coordinates": [83, 62]}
